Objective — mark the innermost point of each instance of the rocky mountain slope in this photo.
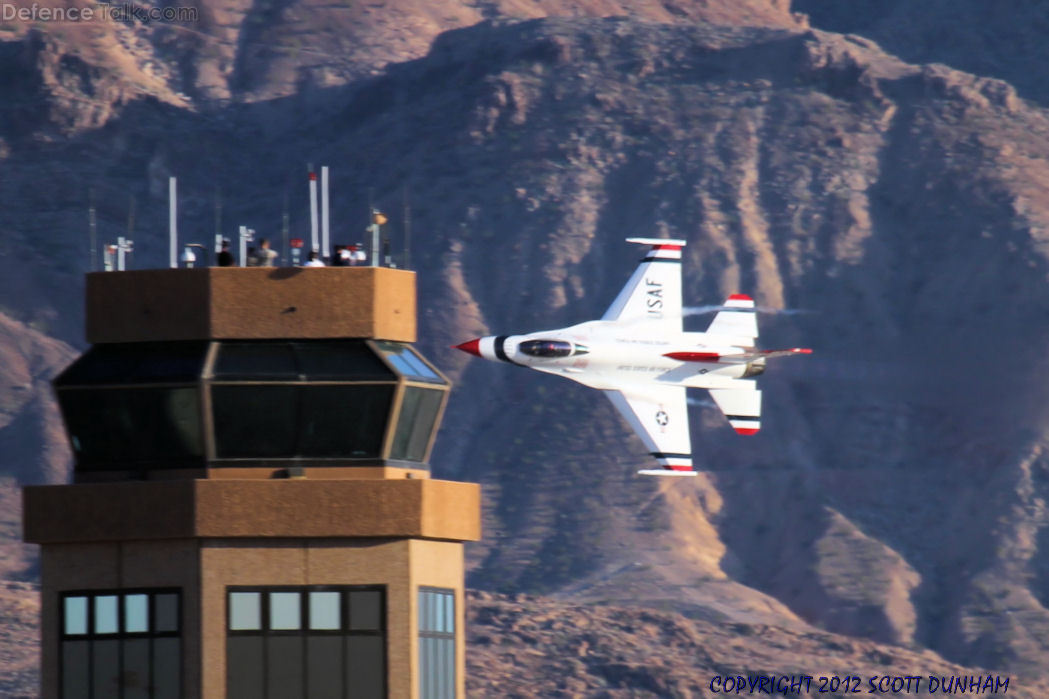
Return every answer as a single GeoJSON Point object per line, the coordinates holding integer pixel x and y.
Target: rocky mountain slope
{"type": "Point", "coordinates": [32, 450]}
{"type": "Point", "coordinates": [522, 646]}
{"type": "Point", "coordinates": [892, 215]}
{"type": "Point", "coordinates": [970, 35]}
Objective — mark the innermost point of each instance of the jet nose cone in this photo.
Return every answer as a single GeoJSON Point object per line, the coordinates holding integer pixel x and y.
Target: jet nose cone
{"type": "Point", "coordinates": [473, 347]}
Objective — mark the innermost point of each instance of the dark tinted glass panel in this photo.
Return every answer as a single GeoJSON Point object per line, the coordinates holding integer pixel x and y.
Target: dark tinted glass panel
{"type": "Point", "coordinates": [157, 425]}
{"type": "Point", "coordinates": [244, 667]}
{"type": "Point", "coordinates": [339, 361]}
{"type": "Point", "coordinates": [167, 669]}
{"type": "Point", "coordinates": [105, 667]}
{"type": "Point", "coordinates": [166, 612]}
{"type": "Point", "coordinates": [136, 669]}
{"type": "Point", "coordinates": [254, 421]}
{"type": "Point", "coordinates": [324, 668]}
{"type": "Point", "coordinates": [75, 676]}
{"type": "Point", "coordinates": [262, 361]}
{"type": "Point", "coordinates": [427, 672]}
{"type": "Point", "coordinates": [284, 667]}
{"type": "Point", "coordinates": [437, 668]}
{"type": "Point", "coordinates": [365, 610]}
{"type": "Point", "coordinates": [365, 667]}
{"type": "Point", "coordinates": [140, 362]}
{"type": "Point", "coordinates": [346, 421]}
{"type": "Point", "coordinates": [416, 423]}
{"type": "Point", "coordinates": [407, 362]}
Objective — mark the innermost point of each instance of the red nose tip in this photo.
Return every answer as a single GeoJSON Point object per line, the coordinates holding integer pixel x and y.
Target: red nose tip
{"type": "Point", "coordinates": [473, 347]}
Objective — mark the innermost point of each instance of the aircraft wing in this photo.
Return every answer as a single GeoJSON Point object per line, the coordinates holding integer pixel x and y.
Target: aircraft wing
{"type": "Point", "coordinates": [659, 415]}
{"type": "Point", "coordinates": [653, 292]}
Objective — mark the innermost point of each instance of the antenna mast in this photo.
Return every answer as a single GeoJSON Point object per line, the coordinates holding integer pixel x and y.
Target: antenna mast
{"type": "Point", "coordinates": [314, 240]}
{"type": "Point", "coordinates": [173, 222]}
{"type": "Point", "coordinates": [407, 231]}
{"type": "Point", "coordinates": [325, 239]}
{"type": "Point", "coordinates": [92, 230]}
{"type": "Point", "coordinates": [218, 214]}
{"type": "Point", "coordinates": [130, 216]}
{"type": "Point", "coordinates": [285, 228]}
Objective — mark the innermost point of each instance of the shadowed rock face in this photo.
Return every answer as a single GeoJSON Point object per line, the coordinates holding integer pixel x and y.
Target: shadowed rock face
{"type": "Point", "coordinates": [896, 216]}
{"type": "Point", "coordinates": [968, 35]}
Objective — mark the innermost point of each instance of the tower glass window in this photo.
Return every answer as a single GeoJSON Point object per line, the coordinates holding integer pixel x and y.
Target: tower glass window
{"type": "Point", "coordinates": [139, 407]}
{"type": "Point", "coordinates": [320, 642]}
{"type": "Point", "coordinates": [436, 643]}
{"type": "Point", "coordinates": [120, 644]}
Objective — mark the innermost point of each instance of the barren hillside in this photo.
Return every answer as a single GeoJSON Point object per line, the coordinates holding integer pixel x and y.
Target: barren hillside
{"type": "Point", "coordinates": [894, 216]}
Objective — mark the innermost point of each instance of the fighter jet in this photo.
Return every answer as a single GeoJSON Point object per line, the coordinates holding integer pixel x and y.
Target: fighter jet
{"type": "Point", "coordinates": [643, 360]}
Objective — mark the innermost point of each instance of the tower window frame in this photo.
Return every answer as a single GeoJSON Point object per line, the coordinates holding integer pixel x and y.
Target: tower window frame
{"type": "Point", "coordinates": [438, 642]}
{"type": "Point", "coordinates": [105, 632]}
{"type": "Point", "coordinates": [269, 628]}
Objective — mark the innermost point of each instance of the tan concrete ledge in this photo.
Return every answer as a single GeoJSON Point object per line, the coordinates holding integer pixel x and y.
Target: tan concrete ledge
{"type": "Point", "coordinates": [409, 508]}
{"type": "Point", "coordinates": [251, 303]}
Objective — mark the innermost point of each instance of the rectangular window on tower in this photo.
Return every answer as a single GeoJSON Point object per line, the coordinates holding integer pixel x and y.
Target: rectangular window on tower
{"type": "Point", "coordinates": [321, 642]}
{"type": "Point", "coordinates": [436, 643]}
{"type": "Point", "coordinates": [120, 644]}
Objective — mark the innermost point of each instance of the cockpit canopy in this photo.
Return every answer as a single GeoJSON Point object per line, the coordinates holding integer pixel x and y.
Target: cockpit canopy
{"type": "Point", "coordinates": [551, 348]}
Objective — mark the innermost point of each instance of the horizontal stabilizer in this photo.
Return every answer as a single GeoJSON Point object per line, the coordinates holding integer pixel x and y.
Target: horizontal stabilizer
{"type": "Point", "coordinates": [742, 408]}
{"type": "Point", "coordinates": [665, 472]}
{"type": "Point", "coordinates": [737, 319]}
{"type": "Point", "coordinates": [658, 241]}
{"type": "Point", "coordinates": [785, 352]}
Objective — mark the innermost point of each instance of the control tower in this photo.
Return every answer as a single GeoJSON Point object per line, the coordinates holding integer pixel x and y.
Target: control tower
{"type": "Point", "coordinates": [251, 513]}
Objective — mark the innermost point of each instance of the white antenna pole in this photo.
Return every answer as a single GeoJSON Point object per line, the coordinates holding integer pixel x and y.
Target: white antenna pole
{"type": "Point", "coordinates": [285, 226]}
{"type": "Point", "coordinates": [92, 227]}
{"type": "Point", "coordinates": [124, 246]}
{"type": "Point", "coordinates": [173, 220]}
{"type": "Point", "coordinates": [314, 242]}
{"type": "Point", "coordinates": [325, 240]}
{"type": "Point", "coordinates": [407, 231]}
{"type": "Point", "coordinates": [375, 239]}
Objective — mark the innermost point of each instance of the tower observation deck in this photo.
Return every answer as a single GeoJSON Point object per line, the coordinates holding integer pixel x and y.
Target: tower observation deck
{"type": "Point", "coordinates": [252, 513]}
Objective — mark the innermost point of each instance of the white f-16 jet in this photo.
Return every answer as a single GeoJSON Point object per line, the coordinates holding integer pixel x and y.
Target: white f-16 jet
{"type": "Point", "coordinates": [641, 357]}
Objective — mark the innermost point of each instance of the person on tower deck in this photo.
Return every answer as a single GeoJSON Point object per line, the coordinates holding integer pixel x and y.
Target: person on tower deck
{"type": "Point", "coordinates": [347, 254]}
{"type": "Point", "coordinates": [314, 260]}
{"type": "Point", "coordinates": [357, 254]}
{"type": "Point", "coordinates": [264, 254]}
{"type": "Point", "coordinates": [338, 258]}
{"type": "Point", "coordinates": [225, 257]}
